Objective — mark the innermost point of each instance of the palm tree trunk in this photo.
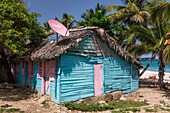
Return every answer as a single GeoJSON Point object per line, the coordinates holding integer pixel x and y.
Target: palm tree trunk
{"type": "Point", "coordinates": [161, 70]}
{"type": "Point", "coordinates": [147, 65]}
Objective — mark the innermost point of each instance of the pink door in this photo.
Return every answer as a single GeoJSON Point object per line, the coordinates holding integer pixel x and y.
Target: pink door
{"type": "Point", "coordinates": [98, 87]}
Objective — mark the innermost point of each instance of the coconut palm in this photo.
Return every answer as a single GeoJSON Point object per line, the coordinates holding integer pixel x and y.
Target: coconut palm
{"type": "Point", "coordinates": [47, 27]}
{"type": "Point", "coordinates": [155, 36]}
{"type": "Point", "coordinates": [67, 20]}
{"type": "Point", "coordinates": [133, 12]}
{"type": "Point", "coordinates": [90, 13]}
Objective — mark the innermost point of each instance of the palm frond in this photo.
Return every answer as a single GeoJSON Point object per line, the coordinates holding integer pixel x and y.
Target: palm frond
{"type": "Point", "coordinates": [132, 7]}
{"type": "Point", "coordinates": [114, 8]}
{"type": "Point", "coordinates": [167, 53]}
{"type": "Point", "coordinates": [144, 34]}
{"type": "Point", "coordinates": [113, 16]}
{"type": "Point", "coordinates": [137, 18]}
{"type": "Point", "coordinates": [160, 12]}
{"type": "Point", "coordinates": [56, 19]}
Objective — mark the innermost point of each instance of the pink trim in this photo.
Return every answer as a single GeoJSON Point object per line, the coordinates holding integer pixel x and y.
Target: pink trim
{"type": "Point", "coordinates": [43, 86]}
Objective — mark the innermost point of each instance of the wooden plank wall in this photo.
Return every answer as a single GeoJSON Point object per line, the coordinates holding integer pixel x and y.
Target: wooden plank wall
{"type": "Point", "coordinates": [55, 86]}
{"type": "Point", "coordinates": [77, 78]}
{"type": "Point", "coordinates": [20, 76]}
{"type": "Point", "coordinates": [117, 75]}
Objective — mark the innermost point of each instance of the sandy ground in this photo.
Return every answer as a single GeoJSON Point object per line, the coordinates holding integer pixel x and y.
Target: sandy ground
{"type": "Point", "coordinates": [28, 102]}
{"type": "Point", "coordinates": [23, 99]}
{"type": "Point", "coordinates": [148, 74]}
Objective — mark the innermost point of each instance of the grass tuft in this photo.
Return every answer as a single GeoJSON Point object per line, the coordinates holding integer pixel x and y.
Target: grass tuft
{"type": "Point", "coordinates": [111, 105]}
{"type": "Point", "coordinates": [119, 111]}
{"type": "Point", "coordinates": [2, 110]}
{"type": "Point", "coordinates": [126, 104]}
{"type": "Point", "coordinates": [132, 109]}
{"type": "Point", "coordinates": [45, 104]}
{"type": "Point", "coordinates": [12, 110]}
{"type": "Point", "coordinates": [165, 109]}
{"type": "Point", "coordinates": [150, 110]}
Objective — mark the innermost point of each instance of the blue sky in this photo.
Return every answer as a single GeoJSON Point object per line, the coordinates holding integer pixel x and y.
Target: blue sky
{"type": "Point", "coordinates": [51, 8]}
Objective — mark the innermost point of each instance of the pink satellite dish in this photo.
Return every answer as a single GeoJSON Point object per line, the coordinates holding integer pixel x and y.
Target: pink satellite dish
{"type": "Point", "coordinates": [58, 27]}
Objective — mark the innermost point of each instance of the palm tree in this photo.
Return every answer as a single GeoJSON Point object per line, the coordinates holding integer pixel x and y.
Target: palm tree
{"type": "Point", "coordinates": [67, 20]}
{"type": "Point", "coordinates": [155, 36]}
{"type": "Point", "coordinates": [90, 13]}
{"type": "Point", "coordinates": [47, 27]}
{"type": "Point", "coordinates": [133, 12]}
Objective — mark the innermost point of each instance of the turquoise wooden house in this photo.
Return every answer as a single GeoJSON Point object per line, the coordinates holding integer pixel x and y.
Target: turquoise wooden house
{"type": "Point", "coordinates": [87, 63]}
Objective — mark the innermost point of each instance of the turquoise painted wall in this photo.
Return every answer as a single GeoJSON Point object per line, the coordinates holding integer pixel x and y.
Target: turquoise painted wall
{"type": "Point", "coordinates": [34, 81]}
{"type": "Point", "coordinates": [26, 75]}
{"type": "Point", "coordinates": [20, 76]}
{"type": "Point", "coordinates": [77, 78]}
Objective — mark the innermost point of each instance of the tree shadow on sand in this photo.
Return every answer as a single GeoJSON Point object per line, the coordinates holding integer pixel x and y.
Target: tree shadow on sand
{"type": "Point", "coordinates": [14, 94]}
{"type": "Point", "coordinates": [148, 83]}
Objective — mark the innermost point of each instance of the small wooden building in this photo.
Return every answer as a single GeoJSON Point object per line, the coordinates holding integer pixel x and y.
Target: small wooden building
{"type": "Point", "coordinates": [87, 63]}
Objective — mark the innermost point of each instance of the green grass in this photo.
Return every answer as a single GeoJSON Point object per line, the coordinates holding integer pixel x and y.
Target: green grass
{"type": "Point", "coordinates": [11, 110]}
{"type": "Point", "coordinates": [111, 105]}
{"type": "Point", "coordinates": [132, 109]}
{"type": "Point", "coordinates": [162, 101]}
{"type": "Point", "coordinates": [165, 109]}
{"type": "Point", "coordinates": [119, 111]}
{"type": "Point", "coordinates": [2, 110]}
{"type": "Point", "coordinates": [88, 107]}
{"type": "Point", "coordinates": [45, 104]}
{"type": "Point", "coordinates": [150, 110]}
{"type": "Point", "coordinates": [126, 110]}
{"type": "Point", "coordinates": [127, 104]}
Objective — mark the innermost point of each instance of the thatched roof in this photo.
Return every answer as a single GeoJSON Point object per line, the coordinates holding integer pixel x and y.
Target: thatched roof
{"type": "Point", "coordinates": [50, 49]}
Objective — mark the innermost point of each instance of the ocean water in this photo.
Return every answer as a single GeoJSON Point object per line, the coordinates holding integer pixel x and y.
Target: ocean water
{"type": "Point", "coordinates": [155, 66]}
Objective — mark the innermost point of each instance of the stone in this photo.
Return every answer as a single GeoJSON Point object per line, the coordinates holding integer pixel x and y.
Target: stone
{"type": "Point", "coordinates": [122, 98]}
{"type": "Point", "coordinates": [116, 95]}
{"type": "Point", "coordinates": [102, 102]}
{"type": "Point", "coordinates": [108, 97]}
{"type": "Point", "coordinates": [9, 87]}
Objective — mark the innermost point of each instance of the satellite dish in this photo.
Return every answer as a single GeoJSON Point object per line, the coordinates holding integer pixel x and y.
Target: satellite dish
{"type": "Point", "coordinates": [58, 27]}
